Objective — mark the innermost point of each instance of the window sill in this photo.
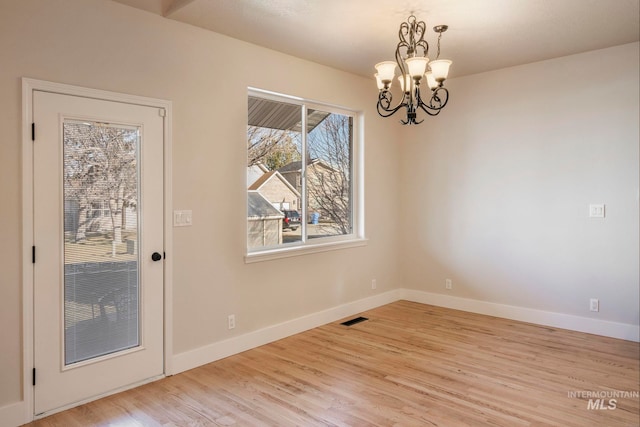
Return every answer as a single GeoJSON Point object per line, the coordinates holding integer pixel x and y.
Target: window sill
{"type": "Point", "coordinates": [279, 253]}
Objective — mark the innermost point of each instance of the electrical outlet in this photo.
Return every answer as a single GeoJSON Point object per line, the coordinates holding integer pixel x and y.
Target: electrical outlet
{"type": "Point", "coordinates": [374, 285]}
{"type": "Point", "coordinates": [594, 304]}
{"type": "Point", "coordinates": [232, 321]}
{"type": "Point", "coordinates": [448, 284]}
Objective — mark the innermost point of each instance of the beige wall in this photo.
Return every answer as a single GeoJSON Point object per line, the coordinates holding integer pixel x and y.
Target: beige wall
{"type": "Point", "coordinates": [105, 45]}
{"type": "Point", "coordinates": [493, 193]}
{"type": "Point", "coordinates": [498, 188]}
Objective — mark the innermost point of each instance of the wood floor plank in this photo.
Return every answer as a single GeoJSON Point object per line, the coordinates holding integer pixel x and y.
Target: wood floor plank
{"type": "Point", "coordinates": [409, 365]}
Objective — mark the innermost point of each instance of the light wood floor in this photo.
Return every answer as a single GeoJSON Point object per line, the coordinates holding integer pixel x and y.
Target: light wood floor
{"type": "Point", "coordinates": [408, 365]}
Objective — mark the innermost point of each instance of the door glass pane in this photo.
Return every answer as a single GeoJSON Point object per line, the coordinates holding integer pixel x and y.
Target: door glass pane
{"type": "Point", "coordinates": [101, 292]}
{"type": "Point", "coordinates": [329, 194]}
{"type": "Point", "coordinates": [274, 173]}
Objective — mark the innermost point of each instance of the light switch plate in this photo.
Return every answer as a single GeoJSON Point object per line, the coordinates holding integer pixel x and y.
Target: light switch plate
{"type": "Point", "coordinates": [596, 211]}
{"type": "Point", "coordinates": [182, 218]}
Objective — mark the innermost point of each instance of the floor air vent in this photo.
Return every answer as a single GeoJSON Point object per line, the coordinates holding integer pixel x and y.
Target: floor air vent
{"type": "Point", "coordinates": [354, 321]}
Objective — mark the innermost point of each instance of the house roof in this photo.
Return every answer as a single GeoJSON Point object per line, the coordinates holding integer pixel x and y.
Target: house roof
{"type": "Point", "coordinates": [254, 172]}
{"type": "Point", "coordinates": [297, 166]}
{"type": "Point", "coordinates": [291, 167]}
{"type": "Point", "coordinates": [261, 180]}
{"type": "Point", "coordinates": [259, 208]}
{"type": "Point", "coordinates": [267, 176]}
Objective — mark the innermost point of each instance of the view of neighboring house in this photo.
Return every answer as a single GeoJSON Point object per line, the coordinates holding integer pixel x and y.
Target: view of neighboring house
{"type": "Point", "coordinates": [268, 194]}
{"type": "Point", "coordinates": [326, 190]}
{"type": "Point", "coordinates": [324, 184]}
{"type": "Point", "coordinates": [264, 222]}
{"type": "Point", "coordinates": [97, 217]}
{"type": "Point", "coordinates": [277, 190]}
{"type": "Point", "coordinates": [254, 172]}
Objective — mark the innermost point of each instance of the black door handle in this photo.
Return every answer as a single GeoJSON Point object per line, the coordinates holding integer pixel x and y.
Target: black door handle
{"type": "Point", "coordinates": [156, 256]}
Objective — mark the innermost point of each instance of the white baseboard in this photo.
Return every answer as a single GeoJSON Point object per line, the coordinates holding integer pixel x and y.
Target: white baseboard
{"type": "Point", "coordinates": [559, 320]}
{"type": "Point", "coordinates": [216, 351]}
{"type": "Point", "coordinates": [191, 359]}
{"type": "Point", "coordinates": [13, 415]}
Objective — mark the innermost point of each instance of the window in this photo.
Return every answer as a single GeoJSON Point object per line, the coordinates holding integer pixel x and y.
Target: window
{"type": "Point", "coordinates": [302, 174]}
{"type": "Point", "coordinates": [99, 209]}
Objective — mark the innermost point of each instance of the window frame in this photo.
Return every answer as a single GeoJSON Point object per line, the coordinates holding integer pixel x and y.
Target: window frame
{"type": "Point", "coordinates": [318, 244]}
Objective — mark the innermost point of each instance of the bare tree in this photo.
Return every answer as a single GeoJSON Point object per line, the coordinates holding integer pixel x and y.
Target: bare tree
{"type": "Point", "coordinates": [329, 174]}
{"type": "Point", "coordinates": [100, 166]}
{"type": "Point", "coordinates": [328, 164]}
{"type": "Point", "coordinates": [79, 200]}
{"type": "Point", "coordinates": [272, 147]}
{"type": "Point", "coordinates": [79, 178]}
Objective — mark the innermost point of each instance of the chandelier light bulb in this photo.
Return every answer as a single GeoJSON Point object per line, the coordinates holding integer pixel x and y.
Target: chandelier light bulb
{"type": "Point", "coordinates": [379, 82]}
{"type": "Point", "coordinates": [440, 69]}
{"type": "Point", "coordinates": [431, 81]}
{"type": "Point", "coordinates": [405, 83]}
{"type": "Point", "coordinates": [417, 66]}
{"type": "Point", "coordinates": [386, 71]}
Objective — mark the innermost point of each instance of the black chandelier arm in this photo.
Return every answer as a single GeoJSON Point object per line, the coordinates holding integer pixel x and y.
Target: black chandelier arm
{"type": "Point", "coordinates": [399, 58]}
{"type": "Point", "coordinates": [408, 48]}
{"type": "Point", "coordinates": [439, 98]}
{"type": "Point", "coordinates": [411, 116]}
{"type": "Point", "coordinates": [426, 109]}
{"type": "Point", "coordinates": [388, 113]}
{"type": "Point", "coordinates": [384, 104]}
{"type": "Point", "coordinates": [425, 47]}
{"type": "Point", "coordinates": [415, 30]}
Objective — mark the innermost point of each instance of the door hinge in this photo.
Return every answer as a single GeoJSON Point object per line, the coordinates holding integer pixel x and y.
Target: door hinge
{"type": "Point", "coordinates": [34, 376]}
{"type": "Point", "coordinates": [33, 131]}
{"type": "Point", "coordinates": [33, 254]}
{"type": "Point", "coordinates": [162, 112]}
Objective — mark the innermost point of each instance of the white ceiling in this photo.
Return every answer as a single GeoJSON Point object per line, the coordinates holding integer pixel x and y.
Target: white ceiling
{"type": "Point", "coordinates": [353, 35]}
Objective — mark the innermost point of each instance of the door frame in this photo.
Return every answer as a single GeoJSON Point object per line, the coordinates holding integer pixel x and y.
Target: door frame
{"type": "Point", "coordinates": [28, 87]}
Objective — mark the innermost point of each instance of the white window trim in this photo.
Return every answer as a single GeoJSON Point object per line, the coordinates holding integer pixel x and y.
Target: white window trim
{"type": "Point", "coordinates": [309, 248]}
{"type": "Point", "coordinates": [323, 244]}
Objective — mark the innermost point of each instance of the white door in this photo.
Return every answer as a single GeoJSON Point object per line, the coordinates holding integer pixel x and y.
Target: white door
{"type": "Point", "coordinates": [98, 236]}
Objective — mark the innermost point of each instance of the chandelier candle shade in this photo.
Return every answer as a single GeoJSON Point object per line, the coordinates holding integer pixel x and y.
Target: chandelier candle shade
{"type": "Point", "coordinates": [415, 68]}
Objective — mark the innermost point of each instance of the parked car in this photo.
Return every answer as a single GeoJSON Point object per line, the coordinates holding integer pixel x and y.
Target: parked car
{"type": "Point", "coordinates": [291, 220]}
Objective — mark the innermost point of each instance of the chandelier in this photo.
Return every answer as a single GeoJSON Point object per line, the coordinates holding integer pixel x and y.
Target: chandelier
{"type": "Point", "coordinates": [414, 65]}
